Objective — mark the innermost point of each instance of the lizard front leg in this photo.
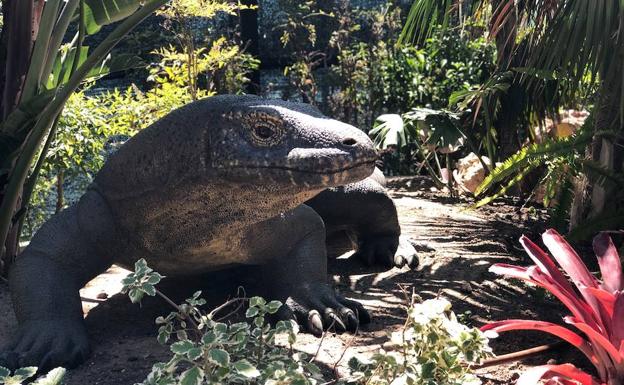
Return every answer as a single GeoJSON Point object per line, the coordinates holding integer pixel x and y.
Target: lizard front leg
{"type": "Point", "coordinates": [44, 283]}
{"type": "Point", "coordinates": [293, 268]}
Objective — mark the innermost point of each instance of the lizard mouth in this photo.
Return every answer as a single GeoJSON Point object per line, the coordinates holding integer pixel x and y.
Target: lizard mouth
{"type": "Point", "coordinates": [321, 174]}
{"type": "Point", "coordinates": [312, 171]}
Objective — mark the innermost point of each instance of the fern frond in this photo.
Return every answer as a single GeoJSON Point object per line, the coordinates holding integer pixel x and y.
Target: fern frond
{"type": "Point", "coordinates": [561, 210]}
{"type": "Point", "coordinates": [535, 153]}
{"type": "Point", "coordinates": [506, 188]}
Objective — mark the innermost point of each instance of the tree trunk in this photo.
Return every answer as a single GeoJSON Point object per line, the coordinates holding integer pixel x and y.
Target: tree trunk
{"type": "Point", "coordinates": [506, 121]}
{"type": "Point", "coordinates": [251, 41]}
{"type": "Point", "coordinates": [60, 200]}
{"type": "Point", "coordinates": [593, 199]}
{"type": "Point", "coordinates": [19, 31]}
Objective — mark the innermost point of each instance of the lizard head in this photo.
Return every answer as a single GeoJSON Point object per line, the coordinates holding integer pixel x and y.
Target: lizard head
{"type": "Point", "coordinates": [263, 141]}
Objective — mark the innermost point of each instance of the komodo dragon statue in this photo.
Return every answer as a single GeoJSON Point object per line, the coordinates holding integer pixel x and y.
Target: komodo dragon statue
{"type": "Point", "coordinates": [217, 183]}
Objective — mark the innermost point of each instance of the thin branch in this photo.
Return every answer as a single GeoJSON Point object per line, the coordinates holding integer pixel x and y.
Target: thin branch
{"type": "Point", "coordinates": [318, 349]}
{"type": "Point", "coordinates": [175, 306]}
{"type": "Point", "coordinates": [225, 305]}
{"type": "Point", "coordinates": [518, 356]}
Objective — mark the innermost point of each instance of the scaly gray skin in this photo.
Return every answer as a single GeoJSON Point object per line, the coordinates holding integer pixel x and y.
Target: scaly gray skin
{"type": "Point", "coordinates": [363, 217]}
{"type": "Point", "coordinates": [218, 183]}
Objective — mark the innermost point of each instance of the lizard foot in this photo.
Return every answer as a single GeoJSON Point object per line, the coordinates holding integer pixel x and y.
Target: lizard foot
{"type": "Point", "coordinates": [387, 251]}
{"type": "Point", "coordinates": [318, 307]}
{"type": "Point", "coordinates": [47, 344]}
{"type": "Point", "coordinates": [406, 254]}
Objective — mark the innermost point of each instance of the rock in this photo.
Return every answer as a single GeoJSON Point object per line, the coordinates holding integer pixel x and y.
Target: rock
{"type": "Point", "coordinates": [469, 173]}
{"type": "Point", "coordinates": [568, 122]}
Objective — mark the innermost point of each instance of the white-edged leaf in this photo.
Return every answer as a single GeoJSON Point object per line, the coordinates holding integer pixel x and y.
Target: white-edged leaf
{"type": "Point", "coordinates": [256, 301]}
{"type": "Point", "coordinates": [135, 295]}
{"type": "Point", "coordinates": [193, 376]}
{"type": "Point", "coordinates": [54, 377]}
{"type": "Point", "coordinates": [219, 357]}
{"type": "Point", "coordinates": [4, 372]}
{"type": "Point", "coordinates": [246, 369]}
{"type": "Point", "coordinates": [182, 347]}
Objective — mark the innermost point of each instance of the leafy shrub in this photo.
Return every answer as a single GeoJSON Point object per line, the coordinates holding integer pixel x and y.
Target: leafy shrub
{"type": "Point", "coordinates": [207, 351]}
{"type": "Point", "coordinates": [27, 375]}
{"type": "Point", "coordinates": [597, 308]}
{"type": "Point", "coordinates": [88, 121]}
{"type": "Point", "coordinates": [432, 347]}
{"type": "Point", "coordinates": [378, 77]}
{"type": "Point", "coordinates": [434, 133]}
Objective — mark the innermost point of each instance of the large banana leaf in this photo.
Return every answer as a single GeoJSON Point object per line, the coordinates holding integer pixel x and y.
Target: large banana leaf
{"type": "Point", "coordinates": [61, 70]}
{"type": "Point", "coordinates": [55, 20]}
{"type": "Point", "coordinates": [102, 12]}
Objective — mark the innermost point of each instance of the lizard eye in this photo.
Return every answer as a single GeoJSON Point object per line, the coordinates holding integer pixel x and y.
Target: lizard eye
{"type": "Point", "coordinates": [263, 131]}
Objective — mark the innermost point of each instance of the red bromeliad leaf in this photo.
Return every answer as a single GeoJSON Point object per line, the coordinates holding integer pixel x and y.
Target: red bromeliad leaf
{"type": "Point", "coordinates": [604, 297]}
{"type": "Point", "coordinates": [535, 275]}
{"type": "Point", "coordinates": [568, 259]}
{"type": "Point", "coordinates": [618, 322]}
{"type": "Point", "coordinates": [560, 381]}
{"type": "Point", "coordinates": [597, 338]}
{"type": "Point", "coordinates": [545, 262]}
{"type": "Point", "coordinates": [609, 261]}
{"type": "Point", "coordinates": [545, 372]}
{"type": "Point", "coordinates": [604, 305]}
{"type": "Point", "coordinates": [565, 334]}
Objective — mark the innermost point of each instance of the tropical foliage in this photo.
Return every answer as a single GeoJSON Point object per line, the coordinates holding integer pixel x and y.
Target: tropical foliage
{"type": "Point", "coordinates": [40, 77]}
{"type": "Point", "coordinates": [434, 133]}
{"type": "Point", "coordinates": [596, 307]}
{"type": "Point", "coordinates": [550, 54]}
{"type": "Point", "coordinates": [345, 61]}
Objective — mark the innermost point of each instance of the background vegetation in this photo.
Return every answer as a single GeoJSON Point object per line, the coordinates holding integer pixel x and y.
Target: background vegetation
{"type": "Point", "coordinates": [465, 77]}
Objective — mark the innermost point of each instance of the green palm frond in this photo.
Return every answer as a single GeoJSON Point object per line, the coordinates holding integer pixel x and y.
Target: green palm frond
{"type": "Point", "coordinates": [424, 17]}
{"type": "Point", "coordinates": [583, 34]}
{"type": "Point", "coordinates": [389, 130]}
{"type": "Point", "coordinates": [572, 38]}
{"type": "Point", "coordinates": [536, 153]}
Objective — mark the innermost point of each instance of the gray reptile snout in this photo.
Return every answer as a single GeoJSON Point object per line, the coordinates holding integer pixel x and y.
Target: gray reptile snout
{"type": "Point", "coordinates": [358, 144]}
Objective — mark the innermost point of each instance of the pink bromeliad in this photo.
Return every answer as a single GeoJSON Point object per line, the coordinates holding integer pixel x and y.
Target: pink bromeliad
{"type": "Point", "coordinates": [596, 307]}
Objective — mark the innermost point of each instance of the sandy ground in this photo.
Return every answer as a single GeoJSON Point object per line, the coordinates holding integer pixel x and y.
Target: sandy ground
{"type": "Point", "coordinates": [456, 248]}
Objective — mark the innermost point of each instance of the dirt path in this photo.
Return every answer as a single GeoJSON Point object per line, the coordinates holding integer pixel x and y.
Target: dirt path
{"type": "Point", "coordinates": [456, 247]}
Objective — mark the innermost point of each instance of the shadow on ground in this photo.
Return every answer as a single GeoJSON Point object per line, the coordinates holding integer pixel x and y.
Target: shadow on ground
{"type": "Point", "coordinates": [456, 247]}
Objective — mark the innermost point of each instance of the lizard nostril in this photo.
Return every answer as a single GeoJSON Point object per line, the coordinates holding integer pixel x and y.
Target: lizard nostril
{"type": "Point", "coordinates": [349, 142]}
